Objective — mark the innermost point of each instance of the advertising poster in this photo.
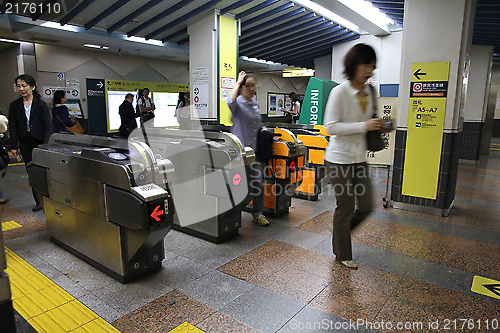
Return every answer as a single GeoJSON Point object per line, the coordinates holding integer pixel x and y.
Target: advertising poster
{"type": "Point", "coordinates": [271, 102]}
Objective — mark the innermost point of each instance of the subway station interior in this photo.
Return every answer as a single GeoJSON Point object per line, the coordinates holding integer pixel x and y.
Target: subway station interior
{"type": "Point", "coordinates": [153, 232]}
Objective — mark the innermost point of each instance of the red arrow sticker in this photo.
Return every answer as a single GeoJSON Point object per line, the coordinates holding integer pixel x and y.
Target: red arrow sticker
{"type": "Point", "coordinates": [157, 213]}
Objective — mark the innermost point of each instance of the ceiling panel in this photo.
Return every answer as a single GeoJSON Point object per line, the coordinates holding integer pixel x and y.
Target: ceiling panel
{"type": "Point", "coordinates": [273, 30]}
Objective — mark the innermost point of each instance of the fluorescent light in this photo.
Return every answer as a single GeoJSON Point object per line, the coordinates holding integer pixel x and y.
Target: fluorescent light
{"type": "Point", "coordinates": [144, 41]}
{"type": "Point", "coordinates": [369, 12]}
{"type": "Point", "coordinates": [93, 46]}
{"type": "Point", "coordinates": [9, 41]}
{"type": "Point", "coordinates": [66, 27]}
{"type": "Point", "coordinates": [328, 14]}
{"type": "Point", "coordinates": [259, 60]}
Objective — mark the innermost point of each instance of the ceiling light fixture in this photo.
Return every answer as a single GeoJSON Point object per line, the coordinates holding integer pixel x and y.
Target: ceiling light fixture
{"type": "Point", "coordinates": [95, 46]}
{"type": "Point", "coordinates": [369, 12]}
{"type": "Point", "coordinates": [328, 14]}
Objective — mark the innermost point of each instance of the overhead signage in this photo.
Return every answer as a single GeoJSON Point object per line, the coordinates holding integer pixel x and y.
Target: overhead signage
{"type": "Point", "coordinates": [298, 72]}
{"type": "Point", "coordinates": [426, 114]}
{"type": "Point", "coordinates": [485, 286]}
{"type": "Point", "coordinates": [71, 93]}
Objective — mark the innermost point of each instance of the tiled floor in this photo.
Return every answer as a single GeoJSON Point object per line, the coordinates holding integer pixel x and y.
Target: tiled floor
{"type": "Point", "coordinates": [416, 270]}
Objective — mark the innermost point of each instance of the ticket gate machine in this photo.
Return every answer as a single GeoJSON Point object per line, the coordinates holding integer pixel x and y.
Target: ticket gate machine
{"type": "Point", "coordinates": [315, 139]}
{"type": "Point", "coordinates": [283, 172]}
{"type": "Point", "coordinates": [106, 201]}
{"type": "Point", "coordinates": [211, 183]}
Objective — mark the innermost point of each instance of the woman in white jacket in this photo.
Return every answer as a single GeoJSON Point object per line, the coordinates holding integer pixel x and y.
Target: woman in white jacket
{"type": "Point", "coordinates": [348, 116]}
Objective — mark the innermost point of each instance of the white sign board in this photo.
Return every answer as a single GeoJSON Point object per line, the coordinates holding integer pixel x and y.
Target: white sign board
{"type": "Point", "coordinates": [200, 100]}
{"type": "Point", "coordinates": [71, 93]}
{"type": "Point", "coordinates": [387, 109]}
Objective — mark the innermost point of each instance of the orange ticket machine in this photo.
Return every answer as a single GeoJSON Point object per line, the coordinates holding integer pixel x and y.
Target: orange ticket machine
{"type": "Point", "coordinates": [315, 139]}
{"type": "Point", "coordinates": [283, 172]}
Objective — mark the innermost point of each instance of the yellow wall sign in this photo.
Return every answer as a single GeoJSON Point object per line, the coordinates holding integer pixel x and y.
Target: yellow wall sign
{"type": "Point", "coordinates": [294, 72]}
{"type": "Point", "coordinates": [485, 286]}
{"type": "Point", "coordinates": [228, 66]}
{"type": "Point", "coordinates": [426, 113]}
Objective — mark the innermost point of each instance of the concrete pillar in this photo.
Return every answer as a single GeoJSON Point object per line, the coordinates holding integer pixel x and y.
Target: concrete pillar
{"type": "Point", "coordinates": [475, 113]}
{"type": "Point", "coordinates": [26, 61]}
{"type": "Point", "coordinates": [213, 65]}
{"type": "Point", "coordinates": [437, 37]}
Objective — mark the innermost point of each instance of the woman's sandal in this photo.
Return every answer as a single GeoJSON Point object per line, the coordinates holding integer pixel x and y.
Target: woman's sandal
{"type": "Point", "coordinates": [349, 264]}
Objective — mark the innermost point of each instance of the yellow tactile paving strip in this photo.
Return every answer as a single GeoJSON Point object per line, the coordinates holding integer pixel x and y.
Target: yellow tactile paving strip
{"type": "Point", "coordinates": [186, 327]}
{"type": "Point", "coordinates": [46, 306]}
{"type": "Point", "coordinates": [10, 225]}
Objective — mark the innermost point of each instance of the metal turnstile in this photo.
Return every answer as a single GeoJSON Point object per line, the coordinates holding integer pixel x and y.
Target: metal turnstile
{"type": "Point", "coordinates": [315, 139]}
{"type": "Point", "coordinates": [105, 200]}
{"type": "Point", "coordinates": [210, 187]}
{"type": "Point", "coordinates": [283, 172]}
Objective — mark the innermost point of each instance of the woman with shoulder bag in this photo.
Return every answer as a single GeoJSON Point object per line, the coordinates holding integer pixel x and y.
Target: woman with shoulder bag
{"type": "Point", "coordinates": [30, 123]}
{"type": "Point", "coordinates": [60, 113]}
{"type": "Point", "coordinates": [348, 117]}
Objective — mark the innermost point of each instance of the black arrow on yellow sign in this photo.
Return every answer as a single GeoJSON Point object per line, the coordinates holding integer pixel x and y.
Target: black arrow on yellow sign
{"type": "Point", "coordinates": [494, 288]}
{"type": "Point", "coordinates": [417, 73]}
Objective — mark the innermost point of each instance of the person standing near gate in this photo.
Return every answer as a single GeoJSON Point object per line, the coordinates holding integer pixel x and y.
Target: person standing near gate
{"type": "Point", "coordinates": [30, 123]}
{"type": "Point", "coordinates": [246, 125]}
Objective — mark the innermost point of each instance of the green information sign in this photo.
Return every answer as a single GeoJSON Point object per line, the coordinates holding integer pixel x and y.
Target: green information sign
{"type": "Point", "coordinates": [313, 106]}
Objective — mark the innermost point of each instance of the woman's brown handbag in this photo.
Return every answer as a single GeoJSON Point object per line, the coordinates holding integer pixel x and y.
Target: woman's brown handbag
{"type": "Point", "coordinates": [76, 129]}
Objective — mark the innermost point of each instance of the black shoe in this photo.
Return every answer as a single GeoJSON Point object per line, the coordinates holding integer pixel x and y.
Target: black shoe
{"type": "Point", "coordinates": [36, 208]}
{"type": "Point", "coordinates": [4, 201]}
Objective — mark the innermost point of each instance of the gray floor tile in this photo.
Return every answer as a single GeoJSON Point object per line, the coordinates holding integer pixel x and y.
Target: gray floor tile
{"type": "Point", "coordinates": [179, 271]}
{"type": "Point", "coordinates": [262, 309]}
{"type": "Point", "coordinates": [301, 238]}
{"type": "Point", "coordinates": [313, 320]}
{"type": "Point", "coordinates": [216, 289]}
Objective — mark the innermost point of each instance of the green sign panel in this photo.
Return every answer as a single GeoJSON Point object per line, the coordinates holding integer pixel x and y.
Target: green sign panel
{"type": "Point", "coordinates": [313, 106]}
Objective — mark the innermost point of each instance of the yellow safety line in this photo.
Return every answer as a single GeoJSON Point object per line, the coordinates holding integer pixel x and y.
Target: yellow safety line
{"type": "Point", "coordinates": [14, 164]}
{"type": "Point", "coordinates": [9, 225]}
{"type": "Point", "coordinates": [494, 148]}
{"type": "Point", "coordinates": [186, 327]}
{"type": "Point", "coordinates": [46, 306]}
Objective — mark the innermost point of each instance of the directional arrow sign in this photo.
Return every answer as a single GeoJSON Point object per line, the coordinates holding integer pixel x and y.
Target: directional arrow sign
{"type": "Point", "coordinates": [494, 288]}
{"type": "Point", "coordinates": [418, 73]}
{"type": "Point", "coordinates": [485, 286]}
{"type": "Point", "coordinates": [156, 212]}
{"type": "Point", "coordinates": [100, 85]}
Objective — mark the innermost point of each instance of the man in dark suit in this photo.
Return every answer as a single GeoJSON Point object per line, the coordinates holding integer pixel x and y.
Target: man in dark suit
{"type": "Point", "coordinates": [127, 116]}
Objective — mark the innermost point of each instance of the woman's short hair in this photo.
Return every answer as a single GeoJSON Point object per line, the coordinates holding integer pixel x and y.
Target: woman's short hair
{"type": "Point", "coordinates": [359, 54]}
{"type": "Point", "coordinates": [58, 96]}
